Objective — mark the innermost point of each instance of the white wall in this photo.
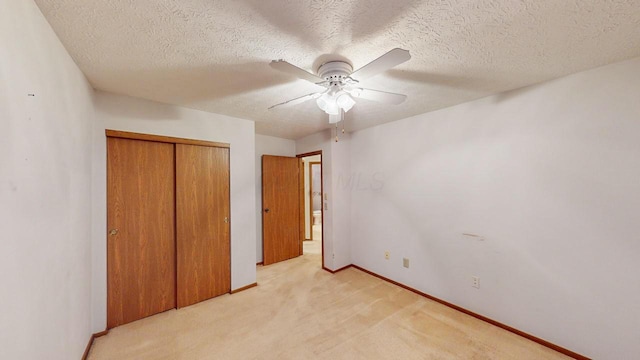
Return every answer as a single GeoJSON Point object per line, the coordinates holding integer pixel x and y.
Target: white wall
{"type": "Point", "coordinates": [548, 176]}
{"type": "Point", "coordinates": [340, 201]}
{"type": "Point", "coordinates": [135, 115]}
{"type": "Point", "coordinates": [335, 222]}
{"type": "Point", "coordinates": [45, 191]}
{"type": "Point", "coordinates": [267, 145]}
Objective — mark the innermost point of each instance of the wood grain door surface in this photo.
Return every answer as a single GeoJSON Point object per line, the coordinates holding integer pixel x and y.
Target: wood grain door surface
{"type": "Point", "coordinates": [280, 208]}
{"type": "Point", "coordinates": [141, 275]}
{"type": "Point", "coordinates": [203, 226]}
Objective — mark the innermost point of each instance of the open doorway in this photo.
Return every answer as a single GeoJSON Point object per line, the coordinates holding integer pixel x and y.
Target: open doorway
{"type": "Point", "coordinates": [312, 194]}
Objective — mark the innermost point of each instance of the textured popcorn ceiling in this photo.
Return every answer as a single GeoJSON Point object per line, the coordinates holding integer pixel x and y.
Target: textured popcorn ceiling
{"type": "Point", "coordinates": [213, 55]}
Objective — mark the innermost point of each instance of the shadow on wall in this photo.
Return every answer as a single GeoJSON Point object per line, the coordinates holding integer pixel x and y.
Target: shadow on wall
{"type": "Point", "coordinates": [120, 106]}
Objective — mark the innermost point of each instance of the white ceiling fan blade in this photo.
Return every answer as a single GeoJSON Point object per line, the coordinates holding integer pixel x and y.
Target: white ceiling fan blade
{"type": "Point", "coordinates": [290, 69]}
{"type": "Point", "coordinates": [378, 96]}
{"type": "Point", "coordinates": [383, 63]}
{"type": "Point", "coordinates": [298, 100]}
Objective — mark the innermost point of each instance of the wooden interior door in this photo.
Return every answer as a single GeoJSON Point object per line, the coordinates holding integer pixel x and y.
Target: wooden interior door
{"type": "Point", "coordinates": [280, 208]}
{"type": "Point", "coordinates": [203, 230]}
{"type": "Point", "coordinates": [141, 230]}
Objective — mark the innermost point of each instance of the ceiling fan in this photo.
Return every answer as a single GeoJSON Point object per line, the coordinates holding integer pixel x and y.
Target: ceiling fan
{"type": "Point", "coordinates": [342, 83]}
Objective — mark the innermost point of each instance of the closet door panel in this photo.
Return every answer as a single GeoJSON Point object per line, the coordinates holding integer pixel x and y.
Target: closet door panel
{"type": "Point", "coordinates": [203, 231]}
{"type": "Point", "coordinates": [141, 229]}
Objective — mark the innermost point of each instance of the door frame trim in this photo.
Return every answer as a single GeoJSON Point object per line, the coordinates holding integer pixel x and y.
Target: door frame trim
{"type": "Point", "coordinates": [300, 156]}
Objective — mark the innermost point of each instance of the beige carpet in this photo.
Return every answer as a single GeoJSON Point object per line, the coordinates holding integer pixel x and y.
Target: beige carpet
{"type": "Point", "coordinates": [299, 311]}
{"type": "Point", "coordinates": [310, 247]}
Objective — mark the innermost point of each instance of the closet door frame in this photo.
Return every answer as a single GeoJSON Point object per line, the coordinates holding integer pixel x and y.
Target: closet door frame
{"type": "Point", "coordinates": [174, 140]}
{"type": "Point", "coordinates": [161, 138]}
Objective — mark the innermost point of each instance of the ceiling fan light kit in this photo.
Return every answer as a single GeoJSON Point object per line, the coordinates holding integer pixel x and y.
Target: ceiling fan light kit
{"type": "Point", "coordinates": [344, 101]}
{"type": "Point", "coordinates": [335, 75]}
{"type": "Point", "coordinates": [342, 83]}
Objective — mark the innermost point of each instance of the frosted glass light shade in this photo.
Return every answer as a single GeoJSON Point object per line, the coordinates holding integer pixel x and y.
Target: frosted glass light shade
{"type": "Point", "coordinates": [323, 101]}
{"type": "Point", "coordinates": [332, 109]}
{"type": "Point", "coordinates": [328, 104]}
{"type": "Point", "coordinates": [345, 102]}
{"type": "Point", "coordinates": [331, 104]}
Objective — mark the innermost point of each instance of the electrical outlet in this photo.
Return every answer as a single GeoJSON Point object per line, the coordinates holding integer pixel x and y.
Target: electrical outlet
{"type": "Point", "coordinates": [405, 262]}
{"type": "Point", "coordinates": [386, 255]}
{"type": "Point", "coordinates": [475, 282]}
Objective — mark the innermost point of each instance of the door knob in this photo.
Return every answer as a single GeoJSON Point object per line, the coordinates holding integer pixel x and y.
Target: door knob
{"type": "Point", "coordinates": [113, 232]}
{"type": "Point", "coordinates": [266, 210]}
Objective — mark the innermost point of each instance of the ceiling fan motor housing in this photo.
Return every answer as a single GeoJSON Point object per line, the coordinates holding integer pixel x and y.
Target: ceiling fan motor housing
{"type": "Point", "coordinates": [335, 71]}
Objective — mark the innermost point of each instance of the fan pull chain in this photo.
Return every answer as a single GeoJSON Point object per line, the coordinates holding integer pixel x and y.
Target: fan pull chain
{"type": "Point", "coordinates": [336, 132]}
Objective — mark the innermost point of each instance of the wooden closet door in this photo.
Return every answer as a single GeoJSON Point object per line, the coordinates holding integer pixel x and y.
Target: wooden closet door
{"type": "Point", "coordinates": [203, 240]}
{"type": "Point", "coordinates": [141, 229]}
